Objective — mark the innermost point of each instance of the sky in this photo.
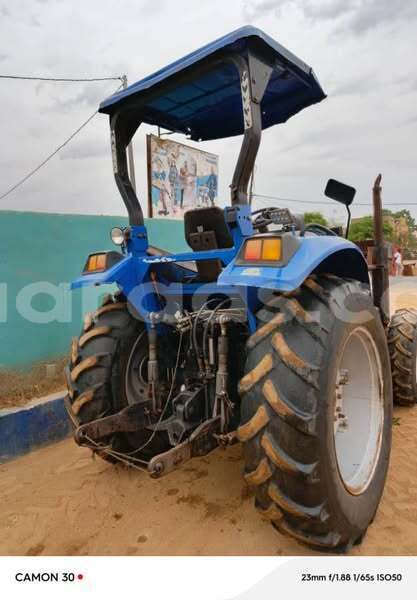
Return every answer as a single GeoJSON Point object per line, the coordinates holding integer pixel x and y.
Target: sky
{"type": "Point", "coordinates": [364, 53]}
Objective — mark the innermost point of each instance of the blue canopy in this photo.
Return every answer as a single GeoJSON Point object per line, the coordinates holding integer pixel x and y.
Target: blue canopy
{"type": "Point", "coordinates": [207, 104]}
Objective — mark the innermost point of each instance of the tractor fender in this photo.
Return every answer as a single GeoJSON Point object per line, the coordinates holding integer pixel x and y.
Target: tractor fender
{"type": "Point", "coordinates": [318, 254]}
{"type": "Point", "coordinates": [121, 273]}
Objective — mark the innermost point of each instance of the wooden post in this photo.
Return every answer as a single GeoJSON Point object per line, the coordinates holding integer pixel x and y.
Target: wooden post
{"type": "Point", "coordinates": [149, 174]}
{"type": "Point", "coordinates": [380, 273]}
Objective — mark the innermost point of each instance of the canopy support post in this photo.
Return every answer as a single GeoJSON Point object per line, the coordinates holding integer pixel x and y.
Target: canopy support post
{"type": "Point", "coordinates": [254, 77]}
{"type": "Point", "coordinates": [121, 132]}
{"type": "Point", "coordinates": [130, 148]}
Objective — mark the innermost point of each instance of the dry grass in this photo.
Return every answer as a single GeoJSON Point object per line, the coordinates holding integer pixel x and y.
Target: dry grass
{"type": "Point", "coordinates": [17, 388]}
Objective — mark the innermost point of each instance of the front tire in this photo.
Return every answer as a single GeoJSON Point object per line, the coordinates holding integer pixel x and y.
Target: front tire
{"type": "Point", "coordinates": [310, 481]}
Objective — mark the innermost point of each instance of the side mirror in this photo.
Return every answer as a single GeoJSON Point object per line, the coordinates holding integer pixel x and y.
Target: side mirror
{"type": "Point", "coordinates": [340, 192]}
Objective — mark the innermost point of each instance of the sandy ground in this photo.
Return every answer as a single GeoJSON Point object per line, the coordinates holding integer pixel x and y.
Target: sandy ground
{"type": "Point", "coordinates": [59, 501]}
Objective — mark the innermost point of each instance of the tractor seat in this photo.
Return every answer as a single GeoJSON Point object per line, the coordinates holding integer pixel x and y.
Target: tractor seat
{"type": "Point", "coordinates": [206, 229]}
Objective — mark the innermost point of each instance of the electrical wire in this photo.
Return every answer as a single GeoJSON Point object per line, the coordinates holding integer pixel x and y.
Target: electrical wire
{"type": "Point", "coordinates": [93, 445]}
{"type": "Point", "coordinates": [194, 336]}
{"type": "Point", "coordinates": [284, 200]}
{"type": "Point", "coordinates": [48, 158]}
{"type": "Point", "coordinates": [314, 202]}
{"type": "Point", "coordinates": [61, 79]}
{"type": "Point", "coordinates": [209, 321]}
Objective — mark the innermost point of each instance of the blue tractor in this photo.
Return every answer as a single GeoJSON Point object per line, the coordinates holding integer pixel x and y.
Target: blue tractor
{"type": "Point", "coordinates": [266, 332]}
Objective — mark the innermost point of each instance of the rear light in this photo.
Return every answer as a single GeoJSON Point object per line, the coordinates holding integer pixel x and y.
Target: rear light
{"type": "Point", "coordinates": [271, 249]}
{"type": "Point", "coordinates": [253, 250]}
{"type": "Point", "coordinates": [263, 249]}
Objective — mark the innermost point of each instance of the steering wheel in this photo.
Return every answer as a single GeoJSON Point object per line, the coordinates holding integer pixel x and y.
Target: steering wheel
{"type": "Point", "coordinates": [273, 215]}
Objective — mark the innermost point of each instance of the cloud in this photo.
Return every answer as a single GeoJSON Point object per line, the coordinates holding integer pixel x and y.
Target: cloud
{"type": "Point", "coordinates": [84, 149]}
{"type": "Point", "coordinates": [356, 86]}
{"type": "Point", "coordinates": [253, 10]}
{"type": "Point", "coordinates": [371, 13]}
{"type": "Point", "coordinates": [311, 9]}
{"type": "Point", "coordinates": [354, 16]}
{"type": "Point", "coordinates": [410, 121]}
{"type": "Point", "coordinates": [35, 21]}
{"type": "Point", "coordinates": [327, 9]}
{"type": "Point", "coordinates": [90, 96]}
{"type": "Point", "coordinates": [410, 84]}
{"type": "Point", "coordinates": [352, 134]}
{"type": "Point", "coordinates": [150, 7]}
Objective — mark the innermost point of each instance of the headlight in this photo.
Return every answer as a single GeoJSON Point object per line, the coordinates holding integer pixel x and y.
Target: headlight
{"type": "Point", "coordinates": [117, 236]}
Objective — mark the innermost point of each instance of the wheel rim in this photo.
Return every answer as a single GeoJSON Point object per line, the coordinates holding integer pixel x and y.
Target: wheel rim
{"type": "Point", "coordinates": [135, 376]}
{"type": "Point", "coordinates": [358, 411]}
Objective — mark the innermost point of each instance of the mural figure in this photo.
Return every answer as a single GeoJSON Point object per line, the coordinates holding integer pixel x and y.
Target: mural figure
{"type": "Point", "coordinates": [181, 178]}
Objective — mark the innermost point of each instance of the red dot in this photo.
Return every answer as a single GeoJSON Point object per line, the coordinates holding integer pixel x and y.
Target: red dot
{"type": "Point", "coordinates": [80, 576]}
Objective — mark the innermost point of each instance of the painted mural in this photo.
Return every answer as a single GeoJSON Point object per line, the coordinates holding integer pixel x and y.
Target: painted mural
{"type": "Point", "coordinates": [180, 178]}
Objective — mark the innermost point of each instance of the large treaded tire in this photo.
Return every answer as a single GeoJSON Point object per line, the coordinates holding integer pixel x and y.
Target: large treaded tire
{"type": "Point", "coordinates": [402, 342]}
{"type": "Point", "coordinates": [96, 372]}
{"type": "Point", "coordinates": [288, 396]}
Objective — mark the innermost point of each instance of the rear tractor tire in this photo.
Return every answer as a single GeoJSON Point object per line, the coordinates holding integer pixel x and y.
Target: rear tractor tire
{"type": "Point", "coordinates": [402, 342]}
{"type": "Point", "coordinates": [317, 412]}
{"type": "Point", "coordinates": [107, 372]}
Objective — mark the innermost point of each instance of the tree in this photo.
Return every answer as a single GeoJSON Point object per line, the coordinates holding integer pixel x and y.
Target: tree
{"type": "Point", "coordinates": [406, 240]}
{"type": "Point", "coordinates": [315, 217]}
{"type": "Point", "coordinates": [363, 229]}
{"type": "Point", "coordinates": [407, 216]}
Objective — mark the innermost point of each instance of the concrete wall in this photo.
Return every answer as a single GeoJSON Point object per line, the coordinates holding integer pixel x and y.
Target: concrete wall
{"type": "Point", "coordinates": [40, 254]}
{"type": "Point", "coordinates": [39, 423]}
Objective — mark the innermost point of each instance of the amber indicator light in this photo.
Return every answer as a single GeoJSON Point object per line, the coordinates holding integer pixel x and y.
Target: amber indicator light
{"type": "Point", "coordinates": [263, 249]}
{"type": "Point", "coordinates": [96, 262]}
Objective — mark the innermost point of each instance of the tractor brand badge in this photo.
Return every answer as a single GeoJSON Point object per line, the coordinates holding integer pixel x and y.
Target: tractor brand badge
{"type": "Point", "coordinates": [160, 259]}
{"type": "Point", "coordinates": [254, 271]}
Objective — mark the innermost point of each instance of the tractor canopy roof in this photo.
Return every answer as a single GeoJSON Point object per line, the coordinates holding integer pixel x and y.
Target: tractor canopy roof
{"type": "Point", "coordinates": [200, 95]}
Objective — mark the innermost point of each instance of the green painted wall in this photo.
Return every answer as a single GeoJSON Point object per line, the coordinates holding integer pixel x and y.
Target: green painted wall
{"type": "Point", "coordinates": [52, 248]}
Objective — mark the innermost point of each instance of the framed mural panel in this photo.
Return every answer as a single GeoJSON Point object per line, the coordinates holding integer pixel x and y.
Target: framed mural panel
{"type": "Point", "coordinates": [179, 178]}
